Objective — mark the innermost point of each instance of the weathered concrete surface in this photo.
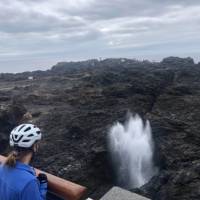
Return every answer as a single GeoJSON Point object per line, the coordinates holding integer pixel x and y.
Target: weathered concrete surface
{"type": "Point", "coordinates": [117, 193]}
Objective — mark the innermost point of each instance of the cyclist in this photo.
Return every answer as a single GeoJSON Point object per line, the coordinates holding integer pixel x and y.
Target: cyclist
{"type": "Point", "coordinates": [18, 180]}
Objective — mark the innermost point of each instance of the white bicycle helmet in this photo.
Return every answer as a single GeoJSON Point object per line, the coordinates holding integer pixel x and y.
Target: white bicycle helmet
{"type": "Point", "coordinates": [25, 135]}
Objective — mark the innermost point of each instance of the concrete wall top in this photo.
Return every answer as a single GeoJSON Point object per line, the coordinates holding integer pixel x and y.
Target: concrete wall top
{"type": "Point", "coordinates": [117, 193]}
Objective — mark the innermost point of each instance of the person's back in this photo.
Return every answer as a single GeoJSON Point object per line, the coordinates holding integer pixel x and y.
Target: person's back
{"type": "Point", "coordinates": [16, 183]}
{"type": "Point", "coordinates": [18, 180]}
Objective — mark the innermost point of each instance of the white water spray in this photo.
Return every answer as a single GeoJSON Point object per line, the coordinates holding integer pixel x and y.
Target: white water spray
{"type": "Point", "coordinates": [131, 148]}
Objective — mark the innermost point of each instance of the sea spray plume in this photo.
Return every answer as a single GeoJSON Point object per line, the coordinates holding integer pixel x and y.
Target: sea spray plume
{"type": "Point", "coordinates": [131, 149]}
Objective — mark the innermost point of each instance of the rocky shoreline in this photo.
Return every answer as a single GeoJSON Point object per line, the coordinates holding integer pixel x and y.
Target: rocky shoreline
{"type": "Point", "coordinates": [76, 103]}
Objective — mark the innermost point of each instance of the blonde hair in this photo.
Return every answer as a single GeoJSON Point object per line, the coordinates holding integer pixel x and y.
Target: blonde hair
{"type": "Point", "coordinates": [15, 155]}
{"type": "Point", "coordinates": [12, 158]}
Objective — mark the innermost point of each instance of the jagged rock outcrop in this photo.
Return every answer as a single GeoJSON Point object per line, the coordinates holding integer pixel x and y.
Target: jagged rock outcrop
{"type": "Point", "coordinates": [175, 61]}
{"type": "Point", "coordinates": [76, 103]}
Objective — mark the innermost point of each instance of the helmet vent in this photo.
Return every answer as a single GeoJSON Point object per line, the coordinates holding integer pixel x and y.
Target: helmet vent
{"type": "Point", "coordinates": [31, 135]}
{"type": "Point", "coordinates": [26, 141]}
{"type": "Point", "coordinates": [21, 127]}
{"type": "Point", "coordinates": [15, 140]}
{"type": "Point", "coordinates": [38, 132]}
{"type": "Point", "coordinates": [27, 129]}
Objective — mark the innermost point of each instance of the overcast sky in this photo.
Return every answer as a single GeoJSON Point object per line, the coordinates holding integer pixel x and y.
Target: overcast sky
{"type": "Point", "coordinates": [36, 34]}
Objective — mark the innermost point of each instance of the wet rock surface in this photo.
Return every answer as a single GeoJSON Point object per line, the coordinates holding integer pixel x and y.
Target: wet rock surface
{"type": "Point", "coordinates": [76, 103]}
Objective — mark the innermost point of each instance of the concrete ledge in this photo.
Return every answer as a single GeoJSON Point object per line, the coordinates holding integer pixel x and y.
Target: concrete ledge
{"type": "Point", "coordinates": [117, 193]}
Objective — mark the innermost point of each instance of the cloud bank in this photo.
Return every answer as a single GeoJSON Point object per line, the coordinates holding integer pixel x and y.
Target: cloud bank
{"type": "Point", "coordinates": [35, 34]}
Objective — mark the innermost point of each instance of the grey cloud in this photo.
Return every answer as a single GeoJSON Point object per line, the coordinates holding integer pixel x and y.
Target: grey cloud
{"type": "Point", "coordinates": [122, 8]}
{"type": "Point", "coordinates": [16, 22]}
{"type": "Point", "coordinates": [73, 29]}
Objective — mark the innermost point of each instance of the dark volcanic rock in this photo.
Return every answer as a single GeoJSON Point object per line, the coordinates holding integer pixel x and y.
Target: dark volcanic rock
{"type": "Point", "coordinates": [9, 118]}
{"type": "Point", "coordinates": [76, 103]}
{"type": "Point", "coordinates": [174, 61]}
